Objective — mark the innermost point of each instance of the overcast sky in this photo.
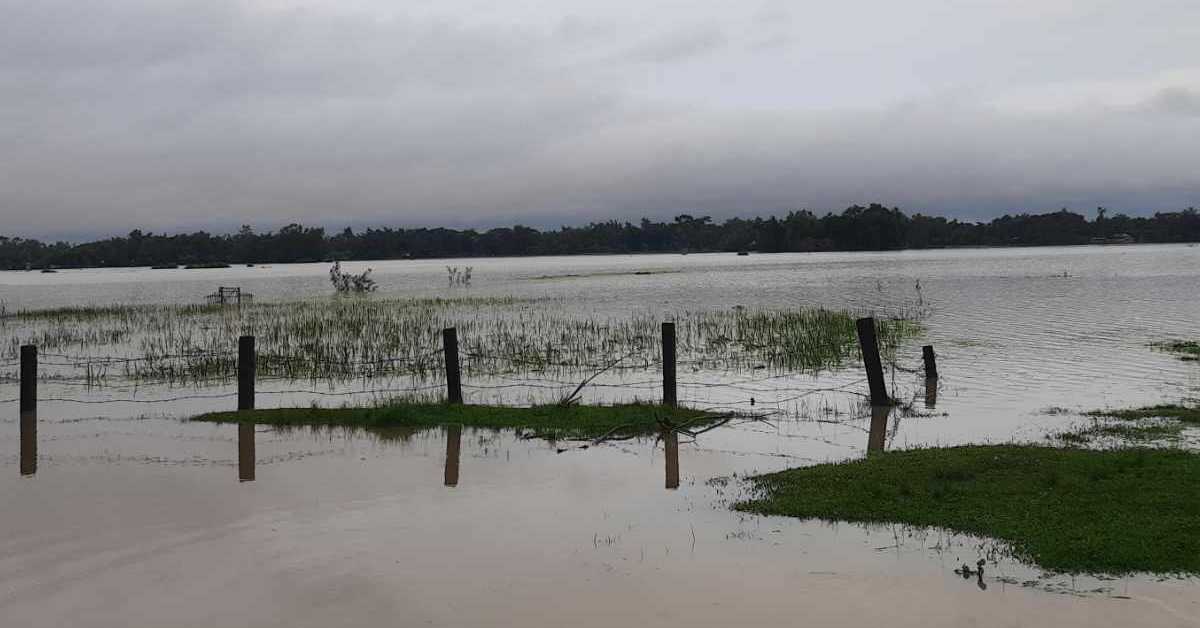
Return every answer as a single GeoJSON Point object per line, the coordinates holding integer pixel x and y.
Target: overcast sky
{"type": "Point", "coordinates": [182, 114]}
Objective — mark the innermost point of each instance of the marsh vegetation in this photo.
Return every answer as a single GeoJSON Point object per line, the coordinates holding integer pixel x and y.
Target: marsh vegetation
{"type": "Point", "coordinates": [341, 339]}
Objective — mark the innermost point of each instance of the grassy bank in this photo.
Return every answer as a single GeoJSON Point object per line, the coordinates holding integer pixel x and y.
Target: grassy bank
{"type": "Point", "coordinates": [545, 421]}
{"type": "Point", "coordinates": [1070, 510]}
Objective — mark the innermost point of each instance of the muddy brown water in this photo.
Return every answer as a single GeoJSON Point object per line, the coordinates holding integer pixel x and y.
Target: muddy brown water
{"type": "Point", "coordinates": [135, 517]}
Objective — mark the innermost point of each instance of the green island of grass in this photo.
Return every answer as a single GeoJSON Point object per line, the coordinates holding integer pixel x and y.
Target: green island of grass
{"type": "Point", "coordinates": [1181, 413]}
{"type": "Point", "coordinates": [549, 421]}
{"type": "Point", "coordinates": [1070, 510]}
{"type": "Point", "coordinates": [1165, 422]}
{"type": "Point", "coordinates": [1188, 350]}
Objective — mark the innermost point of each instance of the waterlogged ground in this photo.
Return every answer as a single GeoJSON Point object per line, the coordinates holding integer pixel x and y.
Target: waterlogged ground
{"type": "Point", "coordinates": [135, 517]}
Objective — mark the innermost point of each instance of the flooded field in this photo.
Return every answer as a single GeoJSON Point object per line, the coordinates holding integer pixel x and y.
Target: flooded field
{"type": "Point", "coordinates": [137, 517]}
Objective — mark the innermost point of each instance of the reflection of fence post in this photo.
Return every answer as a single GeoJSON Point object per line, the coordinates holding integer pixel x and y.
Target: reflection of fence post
{"type": "Point", "coordinates": [670, 398]}
{"type": "Point", "coordinates": [671, 449]}
{"type": "Point", "coordinates": [870, 353]}
{"type": "Point", "coordinates": [930, 362]}
{"type": "Point", "coordinates": [28, 462]}
{"type": "Point", "coordinates": [246, 452]}
{"type": "Point", "coordinates": [453, 449]}
{"type": "Point", "coordinates": [453, 375]}
{"type": "Point", "coordinates": [245, 368]}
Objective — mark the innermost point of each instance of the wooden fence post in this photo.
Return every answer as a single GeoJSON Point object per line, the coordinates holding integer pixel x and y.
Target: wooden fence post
{"type": "Point", "coordinates": [28, 461]}
{"type": "Point", "coordinates": [453, 374]}
{"type": "Point", "coordinates": [877, 437]}
{"type": "Point", "coordinates": [29, 365]}
{"type": "Point", "coordinates": [874, 366]}
{"type": "Point", "coordinates": [670, 396]}
{"type": "Point", "coordinates": [930, 362]}
{"type": "Point", "coordinates": [246, 366]}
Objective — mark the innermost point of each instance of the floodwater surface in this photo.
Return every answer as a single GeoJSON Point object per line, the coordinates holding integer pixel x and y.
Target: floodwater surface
{"type": "Point", "coordinates": [134, 516]}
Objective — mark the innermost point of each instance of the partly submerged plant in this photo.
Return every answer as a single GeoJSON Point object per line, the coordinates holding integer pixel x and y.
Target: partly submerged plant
{"type": "Point", "coordinates": [346, 283]}
{"type": "Point", "coordinates": [457, 277]}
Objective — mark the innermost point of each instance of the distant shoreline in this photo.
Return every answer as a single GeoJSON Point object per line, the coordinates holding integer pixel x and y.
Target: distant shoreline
{"type": "Point", "coordinates": [857, 229]}
{"type": "Point", "coordinates": [220, 266]}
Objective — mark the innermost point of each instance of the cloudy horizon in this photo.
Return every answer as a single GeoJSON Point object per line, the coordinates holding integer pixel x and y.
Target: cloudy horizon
{"type": "Point", "coordinates": [171, 115]}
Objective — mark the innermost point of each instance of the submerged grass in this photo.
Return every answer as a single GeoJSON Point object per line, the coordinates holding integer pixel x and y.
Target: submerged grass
{"type": "Point", "coordinates": [1072, 510]}
{"type": "Point", "coordinates": [1181, 413]}
{"type": "Point", "coordinates": [1188, 350]}
{"type": "Point", "coordinates": [1162, 423]}
{"type": "Point", "coordinates": [352, 338]}
{"type": "Point", "coordinates": [546, 421]}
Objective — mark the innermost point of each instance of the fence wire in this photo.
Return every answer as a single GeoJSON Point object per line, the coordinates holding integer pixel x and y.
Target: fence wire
{"type": "Point", "coordinates": [527, 374]}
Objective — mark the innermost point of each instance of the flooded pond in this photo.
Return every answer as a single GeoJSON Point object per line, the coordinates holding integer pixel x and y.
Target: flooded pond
{"type": "Point", "coordinates": [137, 517]}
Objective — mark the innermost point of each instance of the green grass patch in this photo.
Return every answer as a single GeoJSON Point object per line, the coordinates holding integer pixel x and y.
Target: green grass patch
{"type": "Point", "coordinates": [1165, 422]}
{"type": "Point", "coordinates": [1140, 432]}
{"type": "Point", "coordinates": [1181, 413]}
{"type": "Point", "coordinates": [549, 421]}
{"type": "Point", "coordinates": [1185, 349]}
{"type": "Point", "coordinates": [1071, 510]}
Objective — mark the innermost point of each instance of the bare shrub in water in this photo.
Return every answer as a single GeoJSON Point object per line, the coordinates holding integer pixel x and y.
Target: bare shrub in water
{"type": "Point", "coordinates": [457, 277]}
{"type": "Point", "coordinates": [347, 283]}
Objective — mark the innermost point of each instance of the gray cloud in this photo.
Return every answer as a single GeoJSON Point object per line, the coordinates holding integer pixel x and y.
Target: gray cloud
{"type": "Point", "coordinates": [1176, 100]}
{"type": "Point", "coordinates": [173, 114]}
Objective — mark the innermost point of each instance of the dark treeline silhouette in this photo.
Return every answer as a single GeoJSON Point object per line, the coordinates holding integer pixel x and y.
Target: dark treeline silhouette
{"type": "Point", "coordinates": [873, 228]}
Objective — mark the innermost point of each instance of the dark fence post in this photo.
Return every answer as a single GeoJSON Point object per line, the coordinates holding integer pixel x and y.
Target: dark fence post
{"type": "Point", "coordinates": [246, 366]}
{"type": "Point", "coordinates": [28, 462]}
{"type": "Point", "coordinates": [870, 353]}
{"type": "Point", "coordinates": [877, 437]}
{"type": "Point", "coordinates": [453, 374]}
{"type": "Point", "coordinates": [29, 378]}
{"type": "Point", "coordinates": [930, 362]}
{"type": "Point", "coordinates": [670, 397]}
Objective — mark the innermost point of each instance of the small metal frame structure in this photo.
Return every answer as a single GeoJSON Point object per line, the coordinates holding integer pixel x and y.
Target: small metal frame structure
{"type": "Point", "coordinates": [229, 296]}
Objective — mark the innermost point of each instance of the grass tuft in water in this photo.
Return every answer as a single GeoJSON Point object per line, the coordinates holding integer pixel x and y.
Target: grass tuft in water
{"type": "Point", "coordinates": [1164, 424]}
{"type": "Point", "coordinates": [1188, 350]}
{"type": "Point", "coordinates": [1071, 510]}
{"type": "Point", "coordinates": [551, 421]}
{"type": "Point", "coordinates": [1181, 413]}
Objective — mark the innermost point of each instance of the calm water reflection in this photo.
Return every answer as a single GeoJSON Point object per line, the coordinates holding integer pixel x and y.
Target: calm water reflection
{"type": "Point", "coordinates": [670, 440]}
{"type": "Point", "coordinates": [453, 449]}
{"type": "Point", "coordinates": [246, 456]}
{"type": "Point", "coordinates": [29, 444]}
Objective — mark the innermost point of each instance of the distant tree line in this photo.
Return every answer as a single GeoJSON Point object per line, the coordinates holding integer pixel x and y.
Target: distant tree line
{"type": "Point", "coordinates": [872, 228]}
